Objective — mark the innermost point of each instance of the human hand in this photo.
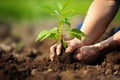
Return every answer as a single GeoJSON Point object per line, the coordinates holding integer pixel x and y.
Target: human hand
{"type": "Point", "coordinates": [87, 54]}
{"type": "Point", "coordinates": [71, 46]}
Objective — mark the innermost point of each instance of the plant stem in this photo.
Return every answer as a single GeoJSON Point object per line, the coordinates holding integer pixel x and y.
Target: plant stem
{"type": "Point", "coordinates": [61, 25]}
{"type": "Point", "coordinates": [62, 44]}
{"type": "Point", "coordinates": [61, 31]}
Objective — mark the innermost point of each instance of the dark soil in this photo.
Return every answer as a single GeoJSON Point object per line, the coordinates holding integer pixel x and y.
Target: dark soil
{"type": "Point", "coordinates": [20, 62]}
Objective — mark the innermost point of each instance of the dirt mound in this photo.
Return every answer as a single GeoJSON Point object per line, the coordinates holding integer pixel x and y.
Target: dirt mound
{"type": "Point", "coordinates": [19, 62]}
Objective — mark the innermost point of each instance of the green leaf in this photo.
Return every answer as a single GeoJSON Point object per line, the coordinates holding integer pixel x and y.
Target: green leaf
{"type": "Point", "coordinates": [67, 21]}
{"type": "Point", "coordinates": [41, 35]}
{"type": "Point", "coordinates": [57, 7]}
{"type": "Point", "coordinates": [53, 33]}
{"type": "Point", "coordinates": [68, 12]}
{"type": "Point", "coordinates": [66, 3]}
{"type": "Point", "coordinates": [57, 12]}
{"type": "Point", "coordinates": [77, 33]}
{"type": "Point", "coordinates": [64, 44]}
{"type": "Point", "coordinates": [49, 9]}
{"type": "Point", "coordinates": [53, 9]}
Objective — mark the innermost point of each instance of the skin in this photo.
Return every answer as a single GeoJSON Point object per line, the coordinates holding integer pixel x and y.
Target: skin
{"type": "Point", "coordinates": [99, 16]}
{"type": "Point", "coordinates": [91, 52]}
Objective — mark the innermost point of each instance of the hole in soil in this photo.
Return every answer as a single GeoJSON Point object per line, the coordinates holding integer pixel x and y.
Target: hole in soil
{"type": "Point", "coordinates": [117, 61]}
{"type": "Point", "coordinates": [32, 55]}
{"type": "Point", "coordinates": [1, 53]}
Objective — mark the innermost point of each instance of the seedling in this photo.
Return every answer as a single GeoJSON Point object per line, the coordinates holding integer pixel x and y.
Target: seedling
{"type": "Point", "coordinates": [63, 13]}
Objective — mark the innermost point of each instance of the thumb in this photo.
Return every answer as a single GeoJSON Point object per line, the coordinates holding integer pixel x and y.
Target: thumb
{"type": "Point", "coordinates": [78, 56]}
{"type": "Point", "coordinates": [69, 49]}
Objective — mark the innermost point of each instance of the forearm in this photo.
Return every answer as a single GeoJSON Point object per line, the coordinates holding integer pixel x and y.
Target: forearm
{"type": "Point", "coordinates": [112, 41]}
{"type": "Point", "coordinates": [110, 44]}
{"type": "Point", "coordinates": [100, 14]}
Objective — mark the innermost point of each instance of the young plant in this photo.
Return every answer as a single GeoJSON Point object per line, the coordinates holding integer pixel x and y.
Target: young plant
{"type": "Point", "coordinates": [63, 11]}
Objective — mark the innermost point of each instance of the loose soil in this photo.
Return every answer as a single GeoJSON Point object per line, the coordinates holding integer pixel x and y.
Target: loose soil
{"type": "Point", "coordinates": [20, 62]}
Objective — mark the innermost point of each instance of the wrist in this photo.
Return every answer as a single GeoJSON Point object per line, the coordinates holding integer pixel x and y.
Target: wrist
{"type": "Point", "coordinates": [86, 41]}
{"type": "Point", "coordinates": [79, 42]}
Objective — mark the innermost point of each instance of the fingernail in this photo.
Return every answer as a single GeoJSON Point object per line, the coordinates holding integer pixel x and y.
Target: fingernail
{"type": "Point", "coordinates": [51, 57]}
{"type": "Point", "coordinates": [58, 53]}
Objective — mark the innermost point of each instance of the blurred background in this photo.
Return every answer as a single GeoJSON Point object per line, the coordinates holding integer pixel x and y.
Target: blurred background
{"type": "Point", "coordinates": [26, 18]}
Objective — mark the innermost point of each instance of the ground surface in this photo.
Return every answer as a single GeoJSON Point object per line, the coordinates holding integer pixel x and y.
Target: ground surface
{"type": "Point", "coordinates": [21, 62]}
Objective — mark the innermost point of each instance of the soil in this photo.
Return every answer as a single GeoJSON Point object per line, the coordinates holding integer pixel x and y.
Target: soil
{"type": "Point", "coordinates": [20, 62]}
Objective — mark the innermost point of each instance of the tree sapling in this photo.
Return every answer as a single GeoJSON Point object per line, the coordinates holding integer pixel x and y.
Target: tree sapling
{"type": "Point", "coordinates": [63, 13]}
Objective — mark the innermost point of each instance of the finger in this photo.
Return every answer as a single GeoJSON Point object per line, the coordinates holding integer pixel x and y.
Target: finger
{"type": "Point", "coordinates": [78, 56]}
{"type": "Point", "coordinates": [58, 49]}
{"type": "Point", "coordinates": [71, 47]}
{"type": "Point", "coordinates": [51, 57]}
{"type": "Point", "coordinates": [52, 51]}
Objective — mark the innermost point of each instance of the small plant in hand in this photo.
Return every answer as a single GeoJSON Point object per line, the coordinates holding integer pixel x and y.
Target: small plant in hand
{"type": "Point", "coordinates": [63, 14]}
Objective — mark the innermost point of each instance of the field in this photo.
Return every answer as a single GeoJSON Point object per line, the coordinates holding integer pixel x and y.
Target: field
{"type": "Point", "coordinates": [21, 58]}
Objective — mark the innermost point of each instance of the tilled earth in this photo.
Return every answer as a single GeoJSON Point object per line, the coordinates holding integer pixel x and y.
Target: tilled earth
{"type": "Point", "coordinates": [20, 62]}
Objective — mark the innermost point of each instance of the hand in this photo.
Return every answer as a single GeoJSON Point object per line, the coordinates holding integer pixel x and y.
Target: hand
{"type": "Point", "coordinates": [72, 45]}
{"type": "Point", "coordinates": [87, 54]}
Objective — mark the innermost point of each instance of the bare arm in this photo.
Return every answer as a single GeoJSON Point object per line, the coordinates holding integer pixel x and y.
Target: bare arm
{"type": "Point", "coordinates": [100, 14]}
